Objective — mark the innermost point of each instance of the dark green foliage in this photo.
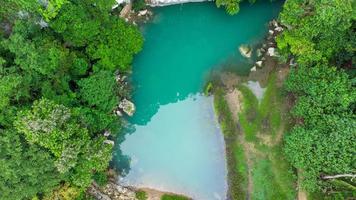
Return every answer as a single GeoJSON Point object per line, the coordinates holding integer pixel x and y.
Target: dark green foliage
{"type": "Point", "coordinates": [99, 91]}
{"type": "Point", "coordinates": [115, 46]}
{"type": "Point", "coordinates": [232, 6]}
{"type": "Point", "coordinates": [320, 34]}
{"type": "Point", "coordinates": [138, 5]}
{"type": "Point", "coordinates": [100, 178]}
{"type": "Point", "coordinates": [76, 25]}
{"type": "Point", "coordinates": [317, 31]}
{"type": "Point", "coordinates": [325, 100]}
{"type": "Point", "coordinates": [25, 169]}
{"type": "Point", "coordinates": [54, 106]}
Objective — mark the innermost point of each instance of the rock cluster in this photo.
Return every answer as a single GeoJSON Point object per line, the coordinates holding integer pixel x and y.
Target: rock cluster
{"type": "Point", "coordinates": [111, 191]}
{"type": "Point", "coordinates": [169, 2]}
{"type": "Point", "coordinates": [268, 48]}
{"type": "Point", "coordinates": [127, 106]}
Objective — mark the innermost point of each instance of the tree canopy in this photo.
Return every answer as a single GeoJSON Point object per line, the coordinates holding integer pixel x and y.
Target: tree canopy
{"type": "Point", "coordinates": [58, 61]}
{"type": "Point", "coordinates": [319, 35]}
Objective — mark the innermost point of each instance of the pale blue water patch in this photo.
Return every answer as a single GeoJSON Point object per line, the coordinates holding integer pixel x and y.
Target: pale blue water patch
{"type": "Point", "coordinates": [183, 153]}
{"type": "Point", "coordinates": [256, 89]}
{"type": "Point", "coordinates": [173, 142]}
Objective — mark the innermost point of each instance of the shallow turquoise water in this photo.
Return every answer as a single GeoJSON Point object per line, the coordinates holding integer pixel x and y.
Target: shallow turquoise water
{"type": "Point", "coordinates": [174, 141]}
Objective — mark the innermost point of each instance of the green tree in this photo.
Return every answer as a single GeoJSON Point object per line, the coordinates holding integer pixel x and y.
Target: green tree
{"type": "Point", "coordinates": [324, 148]}
{"type": "Point", "coordinates": [316, 30]}
{"type": "Point", "coordinates": [53, 127]}
{"type": "Point", "coordinates": [325, 100]}
{"type": "Point", "coordinates": [50, 8]}
{"type": "Point", "coordinates": [76, 24]}
{"type": "Point", "coordinates": [99, 91]}
{"type": "Point", "coordinates": [26, 170]}
{"type": "Point", "coordinates": [115, 45]}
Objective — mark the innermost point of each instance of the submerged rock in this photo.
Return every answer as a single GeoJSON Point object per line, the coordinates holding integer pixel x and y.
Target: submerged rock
{"type": "Point", "coordinates": [245, 51]}
{"type": "Point", "coordinates": [127, 106]}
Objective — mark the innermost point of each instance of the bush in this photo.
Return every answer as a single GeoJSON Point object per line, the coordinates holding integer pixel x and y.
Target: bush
{"type": "Point", "coordinates": [100, 178]}
{"type": "Point", "coordinates": [138, 5]}
{"type": "Point", "coordinates": [141, 195]}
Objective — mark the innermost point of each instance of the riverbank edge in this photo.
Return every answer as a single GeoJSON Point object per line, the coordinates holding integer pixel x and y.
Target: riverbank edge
{"type": "Point", "coordinates": [239, 187]}
{"type": "Point", "coordinates": [113, 190]}
{"type": "Point", "coordinates": [236, 179]}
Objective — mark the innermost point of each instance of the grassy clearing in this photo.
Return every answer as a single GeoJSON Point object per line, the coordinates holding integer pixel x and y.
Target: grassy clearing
{"type": "Point", "coordinates": [223, 112]}
{"type": "Point", "coordinates": [236, 164]}
{"type": "Point", "coordinates": [249, 116]}
{"type": "Point", "coordinates": [272, 177]}
{"type": "Point", "coordinates": [260, 123]}
{"type": "Point", "coordinates": [241, 166]}
{"type": "Point", "coordinates": [259, 116]}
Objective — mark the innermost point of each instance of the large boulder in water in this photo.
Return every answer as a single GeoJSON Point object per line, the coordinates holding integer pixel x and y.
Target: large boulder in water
{"type": "Point", "coordinates": [127, 106]}
{"type": "Point", "coordinates": [245, 51]}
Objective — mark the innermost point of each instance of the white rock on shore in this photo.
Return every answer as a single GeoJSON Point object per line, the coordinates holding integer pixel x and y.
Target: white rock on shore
{"type": "Point", "coordinates": [259, 63]}
{"type": "Point", "coordinates": [142, 12]}
{"type": "Point", "coordinates": [272, 52]}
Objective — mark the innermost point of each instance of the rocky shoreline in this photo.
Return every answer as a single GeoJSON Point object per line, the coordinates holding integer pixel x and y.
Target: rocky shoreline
{"type": "Point", "coordinates": [155, 3]}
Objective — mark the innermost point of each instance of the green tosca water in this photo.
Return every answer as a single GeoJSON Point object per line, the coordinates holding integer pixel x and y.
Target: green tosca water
{"type": "Point", "coordinates": [174, 142]}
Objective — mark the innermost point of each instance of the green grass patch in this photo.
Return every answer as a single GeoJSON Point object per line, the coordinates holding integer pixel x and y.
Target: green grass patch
{"type": "Point", "coordinates": [241, 166]}
{"type": "Point", "coordinates": [260, 116]}
{"type": "Point", "coordinates": [270, 183]}
{"type": "Point", "coordinates": [236, 164]}
{"type": "Point", "coordinates": [141, 195]}
{"type": "Point", "coordinates": [249, 115]}
{"type": "Point", "coordinates": [224, 114]}
{"type": "Point", "coordinates": [173, 197]}
{"type": "Point", "coordinates": [237, 170]}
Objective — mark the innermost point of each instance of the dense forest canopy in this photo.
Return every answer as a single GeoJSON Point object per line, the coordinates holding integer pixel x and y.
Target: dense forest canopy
{"type": "Point", "coordinates": [320, 35]}
{"type": "Point", "coordinates": [58, 60]}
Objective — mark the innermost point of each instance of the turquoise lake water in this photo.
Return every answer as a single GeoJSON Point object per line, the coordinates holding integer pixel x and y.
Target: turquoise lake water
{"type": "Point", "coordinates": [173, 142]}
